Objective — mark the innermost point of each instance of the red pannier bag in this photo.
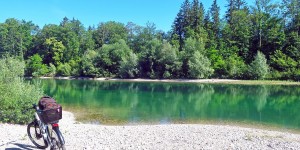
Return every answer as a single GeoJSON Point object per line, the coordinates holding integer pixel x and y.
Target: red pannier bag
{"type": "Point", "coordinates": [51, 112]}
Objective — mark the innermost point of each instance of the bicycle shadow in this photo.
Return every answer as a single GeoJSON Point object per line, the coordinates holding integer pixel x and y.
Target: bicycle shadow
{"type": "Point", "coordinates": [21, 147]}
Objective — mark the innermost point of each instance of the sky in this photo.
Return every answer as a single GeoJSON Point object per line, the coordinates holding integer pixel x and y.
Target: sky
{"type": "Point", "coordinates": [91, 12]}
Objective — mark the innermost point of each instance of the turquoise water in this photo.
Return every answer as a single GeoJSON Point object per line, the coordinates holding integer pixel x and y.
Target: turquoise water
{"type": "Point", "coordinates": [110, 102]}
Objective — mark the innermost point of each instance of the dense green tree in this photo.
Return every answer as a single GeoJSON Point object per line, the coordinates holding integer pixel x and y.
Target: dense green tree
{"type": "Point", "coordinates": [192, 56]}
{"type": "Point", "coordinates": [199, 44]}
{"type": "Point", "coordinates": [133, 30]}
{"type": "Point", "coordinates": [35, 66]}
{"type": "Point", "coordinates": [73, 37]}
{"type": "Point", "coordinates": [235, 67]}
{"type": "Point", "coordinates": [159, 60]}
{"type": "Point", "coordinates": [16, 37]}
{"type": "Point", "coordinates": [217, 62]}
{"type": "Point", "coordinates": [64, 69]}
{"type": "Point", "coordinates": [196, 14]}
{"type": "Point", "coordinates": [147, 59]}
{"type": "Point", "coordinates": [109, 33]}
{"type": "Point", "coordinates": [292, 17]}
{"type": "Point", "coordinates": [267, 29]}
{"type": "Point", "coordinates": [140, 36]}
{"type": "Point", "coordinates": [282, 62]}
{"type": "Point", "coordinates": [167, 63]}
{"type": "Point", "coordinates": [88, 64]}
{"type": "Point", "coordinates": [53, 52]}
{"type": "Point", "coordinates": [215, 14]}
{"type": "Point", "coordinates": [129, 66]}
{"type": "Point", "coordinates": [212, 25]}
{"type": "Point", "coordinates": [234, 5]}
{"type": "Point", "coordinates": [47, 32]}
{"type": "Point", "coordinates": [291, 12]}
{"type": "Point", "coordinates": [259, 68]}
{"type": "Point", "coordinates": [284, 65]}
{"type": "Point", "coordinates": [199, 66]}
{"type": "Point", "coordinates": [207, 24]}
{"type": "Point", "coordinates": [110, 57]}
{"type": "Point", "coordinates": [87, 43]}
{"type": "Point", "coordinates": [181, 23]}
{"type": "Point", "coordinates": [238, 34]}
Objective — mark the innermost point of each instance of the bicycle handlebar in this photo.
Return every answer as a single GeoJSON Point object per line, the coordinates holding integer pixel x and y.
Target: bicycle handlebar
{"type": "Point", "coordinates": [34, 106]}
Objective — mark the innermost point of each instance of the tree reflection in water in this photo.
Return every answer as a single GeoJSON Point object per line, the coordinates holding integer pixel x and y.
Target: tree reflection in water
{"type": "Point", "coordinates": [122, 102]}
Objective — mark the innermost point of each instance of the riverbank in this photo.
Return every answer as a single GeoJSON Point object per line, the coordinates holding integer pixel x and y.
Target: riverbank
{"type": "Point", "coordinates": [216, 81]}
{"type": "Point", "coordinates": [168, 136]}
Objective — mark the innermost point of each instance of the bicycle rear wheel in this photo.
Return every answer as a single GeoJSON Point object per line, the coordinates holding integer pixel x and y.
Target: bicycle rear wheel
{"type": "Point", "coordinates": [57, 139]}
{"type": "Point", "coordinates": [35, 135]}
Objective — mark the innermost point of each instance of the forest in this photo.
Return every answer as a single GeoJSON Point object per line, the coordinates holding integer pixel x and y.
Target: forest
{"type": "Point", "coordinates": [259, 41]}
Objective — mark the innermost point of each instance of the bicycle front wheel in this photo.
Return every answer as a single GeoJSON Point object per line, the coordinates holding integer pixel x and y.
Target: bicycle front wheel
{"type": "Point", "coordinates": [35, 135]}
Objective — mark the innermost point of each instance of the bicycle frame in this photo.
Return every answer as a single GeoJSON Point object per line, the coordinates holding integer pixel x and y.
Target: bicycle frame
{"type": "Point", "coordinates": [45, 129]}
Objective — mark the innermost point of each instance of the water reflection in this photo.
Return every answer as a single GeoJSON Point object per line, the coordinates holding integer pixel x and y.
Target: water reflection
{"type": "Point", "coordinates": [113, 102]}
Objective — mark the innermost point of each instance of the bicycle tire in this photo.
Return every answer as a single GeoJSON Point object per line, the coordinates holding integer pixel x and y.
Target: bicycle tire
{"type": "Point", "coordinates": [59, 139]}
{"type": "Point", "coordinates": [35, 135]}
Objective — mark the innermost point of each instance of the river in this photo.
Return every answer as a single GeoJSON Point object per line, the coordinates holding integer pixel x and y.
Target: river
{"type": "Point", "coordinates": [115, 102]}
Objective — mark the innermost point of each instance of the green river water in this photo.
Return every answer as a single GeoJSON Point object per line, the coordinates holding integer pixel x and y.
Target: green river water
{"type": "Point", "coordinates": [112, 102]}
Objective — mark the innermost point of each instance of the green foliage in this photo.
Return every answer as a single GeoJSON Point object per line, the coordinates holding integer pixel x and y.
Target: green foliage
{"type": "Point", "coordinates": [54, 51]}
{"type": "Point", "coordinates": [129, 66]}
{"type": "Point", "coordinates": [199, 66]}
{"type": "Point", "coordinates": [238, 33]}
{"type": "Point", "coordinates": [110, 57]}
{"type": "Point", "coordinates": [167, 63]}
{"type": "Point", "coordinates": [259, 68]}
{"type": "Point", "coordinates": [64, 69]}
{"type": "Point", "coordinates": [195, 62]}
{"type": "Point", "coordinates": [293, 46]}
{"type": "Point", "coordinates": [16, 95]}
{"type": "Point", "coordinates": [141, 36]}
{"type": "Point", "coordinates": [10, 68]}
{"type": "Point", "coordinates": [112, 49]}
{"type": "Point", "coordinates": [218, 62]}
{"type": "Point", "coordinates": [282, 62]}
{"type": "Point", "coordinates": [267, 28]}
{"type": "Point", "coordinates": [109, 33]}
{"type": "Point", "coordinates": [88, 67]}
{"type": "Point", "coordinates": [188, 23]}
{"type": "Point", "coordinates": [35, 66]}
{"type": "Point", "coordinates": [235, 67]}
{"type": "Point", "coordinates": [147, 59]}
{"type": "Point", "coordinates": [213, 25]}
{"type": "Point", "coordinates": [16, 37]}
{"type": "Point", "coordinates": [52, 70]}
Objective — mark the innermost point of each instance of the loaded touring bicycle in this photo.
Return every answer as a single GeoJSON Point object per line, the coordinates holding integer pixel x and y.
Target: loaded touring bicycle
{"type": "Point", "coordinates": [44, 131]}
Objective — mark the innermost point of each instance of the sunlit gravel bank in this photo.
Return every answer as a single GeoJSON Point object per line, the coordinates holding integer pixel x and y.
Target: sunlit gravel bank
{"type": "Point", "coordinates": [198, 136]}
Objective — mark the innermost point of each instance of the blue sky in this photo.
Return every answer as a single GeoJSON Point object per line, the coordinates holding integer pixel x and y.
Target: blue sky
{"type": "Point", "coordinates": [92, 12]}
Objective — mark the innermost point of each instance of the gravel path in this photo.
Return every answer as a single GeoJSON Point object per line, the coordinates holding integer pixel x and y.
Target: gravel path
{"type": "Point", "coordinates": [86, 136]}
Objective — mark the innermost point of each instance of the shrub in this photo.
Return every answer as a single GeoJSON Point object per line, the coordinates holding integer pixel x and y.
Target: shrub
{"type": "Point", "coordinates": [35, 66]}
{"type": "Point", "coordinates": [16, 95]}
{"type": "Point", "coordinates": [259, 68]}
{"type": "Point", "coordinates": [128, 67]}
{"type": "Point", "coordinates": [64, 69]}
{"type": "Point", "coordinates": [235, 67]}
{"type": "Point", "coordinates": [199, 66]}
{"type": "Point", "coordinates": [52, 70]}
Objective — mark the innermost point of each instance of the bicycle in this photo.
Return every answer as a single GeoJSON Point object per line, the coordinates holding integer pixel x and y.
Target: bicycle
{"type": "Point", "coordinates": [44, 134]}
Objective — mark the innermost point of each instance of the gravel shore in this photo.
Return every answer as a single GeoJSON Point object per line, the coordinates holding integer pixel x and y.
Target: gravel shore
{"type": "Point", "coordinates": [171, 136]}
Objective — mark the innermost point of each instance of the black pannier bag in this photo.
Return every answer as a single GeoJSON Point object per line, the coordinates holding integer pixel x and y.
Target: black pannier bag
{"type": "Point", "coordinates": [51, 112]}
